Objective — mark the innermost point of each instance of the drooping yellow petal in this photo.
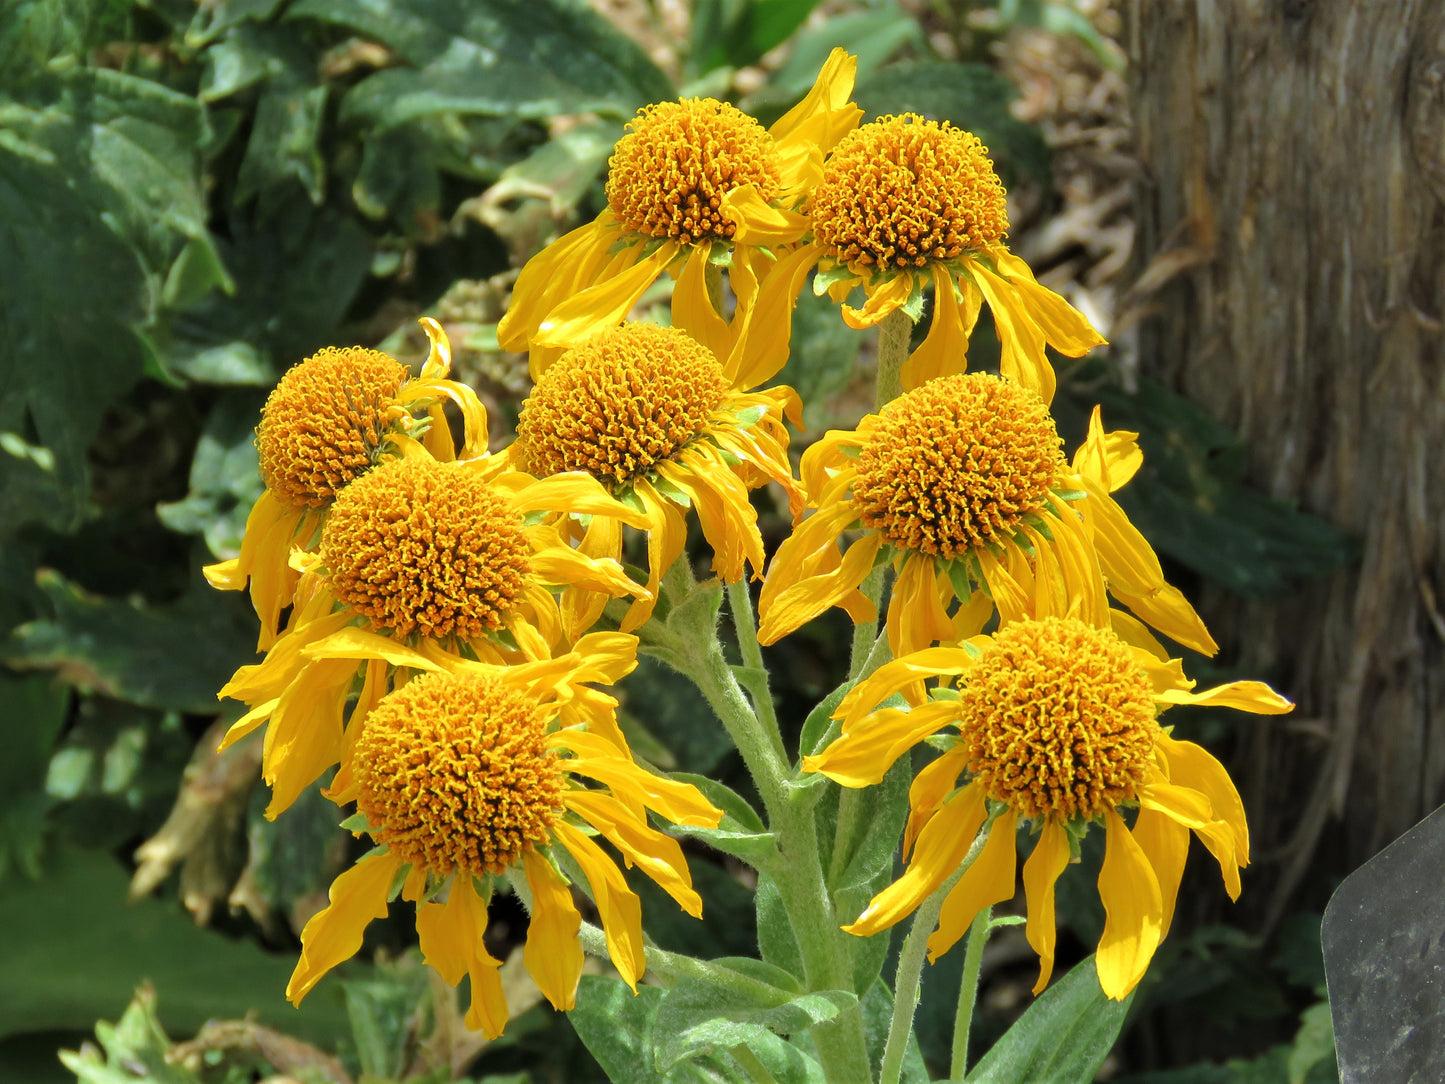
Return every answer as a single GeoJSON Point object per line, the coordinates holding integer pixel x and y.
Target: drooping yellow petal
{"type": "Point", "coordinates": [944, 351]}
{"type": "Point", "coordinates": [598, 759]}
{"type": "Point", "coordinates": [861, 756]}
{"type": "Point", "coordinates": [618, 905]}
{"type": "Point", "coordinates": [760, 349]}
{"type": "Point", "coordinates": [729, 520]}
{"type": "Point", "coordinates": [1065, 327]}
{"type": "Point", "coordinates": [304, 736]}
{"type": "Point", "coordinates": [802, 601]}
{"type": "Point", "coordinates": [333, 934]}
{"type": "Point", "coordinates": [933, 783]}
{"type": "Point", "coordinates": [575, 492]}
{"type": "Point", "coordinates": [692, 308]}
{"type": "Point", "coordinates": [666, 539]}
{"type": "Point", "coordinates": [357, 643]}
{"type": "Point", "coordinates": [550, 276]}
{"type": "Point", "coordinates": [989, 880]}
{"type": "Point", "coordinates": [1021, 342]}
{"type": "Point", "coordinates": [1014, 602]}
{"type": "Point", "coordinates": [657, 855]}
{"type": "Point", "coordinates": [1165, 842]}
{"type": "Point", "coordinates": [1136, 634]}
{"type": "Point", "coordinates": [553, 954]}
{"type": "Point", "coordinates": [759, 222]}
{"type": "Point", "coordinates": [1192, 809]}
{"type": "Point", "coordinates": [1041, 872]}
{"type": "Point", "coordinates": [940, 848]}
{"type": "Point", "coordinates": [451, 936]}
{"type": "Point", "coordinates": [896, 675]}
{"type": "Point", "coordinates": [270, 677]}
{"type": "Point", "coordinates": [1133, 908]}
{"type": "Point", "coordinates": [605, 304]}
{"type": "Point", "coordinates": [822, 118]}
{"type": "Point", "coordinates": [883, 299]}
{"type": "Point", "coordinates": [1110, 459]}
{"type": "Point", "coordinates": [1195, 767]}
{"type": "Point", "coordinates": [563, 565]}
{"type": "Point", "coordinates": [917, 616]}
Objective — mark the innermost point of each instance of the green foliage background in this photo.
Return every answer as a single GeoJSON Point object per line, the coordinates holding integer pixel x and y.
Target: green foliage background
{"type": "Point", "coordinates": [192, 198]}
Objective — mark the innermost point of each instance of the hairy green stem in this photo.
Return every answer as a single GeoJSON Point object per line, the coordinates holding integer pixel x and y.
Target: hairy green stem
{"type": "Point", "coordinates": [910, 969]}
{"type": "Point", "coordinates": [968, 992]}
{"type": "Point", "coordinates": [755, 679]}
{"type": "Point", "coordinates": [893, 335]}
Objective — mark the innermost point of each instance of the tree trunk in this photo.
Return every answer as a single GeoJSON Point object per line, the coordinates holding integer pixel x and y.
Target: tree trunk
{"type": "Point", "coordinates": [1294, 182]}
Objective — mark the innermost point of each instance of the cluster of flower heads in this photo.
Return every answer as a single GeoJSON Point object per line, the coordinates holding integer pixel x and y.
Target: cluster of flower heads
{"type": "Point", "coordinates": [438, 646]}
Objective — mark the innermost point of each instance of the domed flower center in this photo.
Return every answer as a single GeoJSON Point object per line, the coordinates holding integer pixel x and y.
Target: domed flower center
{"type": "Point", "coordinates": [425, 547]}
{"type": "Point", "coordinates": [1058, 719]}
{"type": "Point", "coordinates": [454, 774]}
{"type": "Point", "coordinates": [619, 404]}
{"type": "Point", "coordinates": [905, 192]}
{"type": "Point", "coordinates": [324, 423]}
{"type": "Point", "coordinates": [668, 174]}
{"type": "Point", "coordinates": [956, 463]}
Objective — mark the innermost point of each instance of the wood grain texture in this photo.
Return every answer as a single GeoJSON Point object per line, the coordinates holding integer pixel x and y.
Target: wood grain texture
{"type": "Point", "coordinates": [1299, 145]}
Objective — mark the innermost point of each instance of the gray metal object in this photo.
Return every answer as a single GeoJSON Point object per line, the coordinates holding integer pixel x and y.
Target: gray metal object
{"type": "Point", "coordinates": [1384, 946]}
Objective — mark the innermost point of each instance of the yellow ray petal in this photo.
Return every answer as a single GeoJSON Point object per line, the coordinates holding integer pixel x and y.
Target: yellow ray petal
{"type": "Point", "coordinates": [1133, 908]}
{"type": "Point", "coordinates": [604, 305]}
{"type": "Point", "coordinates": [933, 783]}
{"type": "Point", "coordinates": [1251, 696]}
{"type": "Point", "coordinates": [803, 601]}
{"type": "Point", "coordinates": [1192, 809]}
{"type": "Point", "coordinates": [553, 954]}
{"type": "Point", "coordinates": [760, 348]}
{"type": "Point", "coordinates": [897, 674]}
{"type": "Point", "coordinates": [759, 222]}
{"type": "Point", "coordinates": [574, 492]}
{"type": "Point", "coordinates": [692, 309]}
{"type": "Point", "coordinates": [1021, 341]}
{"type": "Point", "coordinates": [989, 880]}
{"type": "Point", "coordinates": [1065, 327]}
{"type": "Point", "coordinates": [1041, 872]}
{"type": "Point", "coordinates": [657, 855]}
{"type": "Point", "coordinates": [451, 936]}
{"type": "Point", "coordinates": [863, 755]}
{"type": "Point", "coordinates": [944, 351]}
{"type": "Point", "coordinates": [1014, 602]}
{"type": "Point", "coordinates": [917, 616]}
{"type": "Point", "coordinates": [940, 848]}
{"type": "Point", "coordinates": [304, 737]}
{"type": "Point", "coordinates": [883, 299]}
{"type": "Point", "coordinates": [618, 905]}
{"type": "Point", "coordinates": [1165, 842]}
{"type": "Point", "coordinates": [1194, 766]}
{"type": "Point", "coordinates": [333, 934]}
{"type": "Point", "coordinates": [598, 759]}
{"type": "Point", "coordinates": [824, 115]}
{"type": "Point", "coordinates": [549, 277]}
{"type": "Point", "coordinates": [357, 643]}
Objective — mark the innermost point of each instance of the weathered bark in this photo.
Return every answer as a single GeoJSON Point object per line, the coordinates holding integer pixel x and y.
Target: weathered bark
{"type": "Point", "coordinates": [1294, 156]}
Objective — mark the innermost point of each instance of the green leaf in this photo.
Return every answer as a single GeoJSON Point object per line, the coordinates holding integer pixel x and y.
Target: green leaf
{"type": "Point", "coordinates": [737, 34]}
{"type": "Point", "coordinates": [527, 58]}
{"type": "Point", "coordinates": [733, 804]}
{"type": "Point", "coordinates": [776, 941]}
{"type": "Point", "coordinates": [974, 97]}
{"type": "Point", "coordinates": [871, 36]}
{"type": "Point", "coordinates": [1063, 1037]}
{"type": "Point", "coordinates": [741, 832]}
{"type": "Point", "coordinates": [675, 713]}
{"type": "Point", "coordinates": [225, 478]}
{"type": "Point", "coordinates": [216, 18]}
{"type": "Point", "coordinates": [283, 144]}
{"type": "Point", "coordinates": [35, 711]}
{"type": "Point", "coordinates": [33, 32]}
{"type": "Point", "coordinates": [76, 950]}
{"type": "Point", "coordinates": [398, 178]}
{"type": "Point", "coordinates": [697, 1018]}
{"type": "Point", "coordinates": [815, 727]}
{"type": "Point", "coordinates": [141, 654]}
{"type": "Point", "coordinates": [615, 1024]}
{"type": "Point", "coordinates": [134, 1045]}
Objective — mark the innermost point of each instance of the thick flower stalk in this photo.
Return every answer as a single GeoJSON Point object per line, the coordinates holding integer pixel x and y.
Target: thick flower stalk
{"type": "Point", "coordinates": [692, 182]}
{"type": "Point", "coordinates": [649, 412]}
{"type": "Point", "coordinates": [437, 556]}
{"type": "Point", "coordinates": [962, 486]}
{"type": "Point", "coordinates": [469, 773]}
{"type": "Point", "coordinates": [905, 204]}
{"type": "Point", "coordinates": [332, 418]}
{"type": "Point", "coordinates": [1054, 725]}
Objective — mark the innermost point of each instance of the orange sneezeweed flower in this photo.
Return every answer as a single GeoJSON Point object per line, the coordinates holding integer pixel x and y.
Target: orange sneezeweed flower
{"type": "Point", "coordinates": [1053, 724]}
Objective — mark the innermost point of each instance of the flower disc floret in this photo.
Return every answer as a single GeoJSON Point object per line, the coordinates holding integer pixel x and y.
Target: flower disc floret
{"type": "Point", "coordinates": [324, 423]}
{"type": "Point", "coordinates": [956, 463]}
{"type": "Point", "coordinates": [619, 404]}
{"type": "Point", "coordinates": [418, 546]}
{"type": "Point", "coordinates": [454, 774]}
{"type": "Point", "coordinates": [668, 174]}
{"type": "Point", "coordinates": [1058, 720]}
{"type": "Point", "coordinates": [904, 192]}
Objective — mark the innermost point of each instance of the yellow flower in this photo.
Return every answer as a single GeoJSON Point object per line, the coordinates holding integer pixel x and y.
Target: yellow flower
{"type": "Point", "coordinates": [691, 181]}
{"type": "Point", "coordinates": [962, 485]}
{"type": "Point", "coordinates": [1056, 725]}
{"type": "Point", "coordinates": [438, 556]}
{"type": "Point", "coordinates": [907, 203]}
{"type": "Point", "coordinates": [649, 413]}
{"type": "Point", "coordinates": [469, 771]}
{"type": "Point", "coordinates": [331, 419]}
